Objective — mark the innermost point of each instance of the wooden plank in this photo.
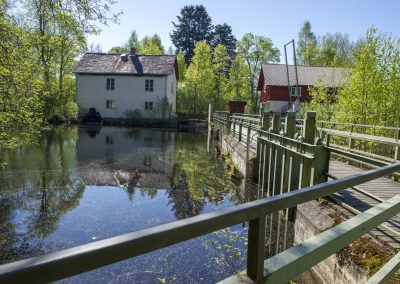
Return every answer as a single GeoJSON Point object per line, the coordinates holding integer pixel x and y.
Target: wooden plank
{"type": "Point", "coordinates": [383, 187]}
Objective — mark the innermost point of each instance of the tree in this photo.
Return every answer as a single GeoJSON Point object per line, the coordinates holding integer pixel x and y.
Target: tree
{"type": "Point", "coordinates": [151, 45]}
{"type": "Point", "coordinates": [118, 50]}
{"type": "Point", "coordinates": [200, 78]}
{"type": "Point", "coordinates": [181, 66]}
{"type": "Point", "coordinates": [335, 50]}
{"type": "Point", "coordinates": [223, 35]}
{"type": "Point", "coordinates": [21, 107]}
{"type": "Point", "coordinates": [372, 94]}
{"type": "Point", "coordinates": [323, 101]}
{"type": "Point", "coordinates": [170, 50]}
{"type": "Point", "coordinates": [238, 85]}
{"type": "Point", "coordinates": [194, 25]}
{"type": "Point", "coordinates": [220, 61]}
{"type": "Point", "coordinates": [133, 40]}
{"type": "Point", "coordinates": [58, 29]}
{"type": "Point", "coordinates": [256, 50]}
{"type": "Point", "coordinates": [306, 51]}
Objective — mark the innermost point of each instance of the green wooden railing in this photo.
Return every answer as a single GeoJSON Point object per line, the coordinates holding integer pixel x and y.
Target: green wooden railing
{"type": "Point", "coordinates": [277, 269]}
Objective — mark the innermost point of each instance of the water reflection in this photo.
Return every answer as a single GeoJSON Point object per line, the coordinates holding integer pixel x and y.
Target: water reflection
{"type": "Point", "coordinates": [42, 186]}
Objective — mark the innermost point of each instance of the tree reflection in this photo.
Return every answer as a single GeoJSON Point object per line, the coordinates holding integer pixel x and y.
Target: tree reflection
{"type": "Point", "coordinates": [41, 184]}
{"type": "Point", "coordinates": [197, 176]}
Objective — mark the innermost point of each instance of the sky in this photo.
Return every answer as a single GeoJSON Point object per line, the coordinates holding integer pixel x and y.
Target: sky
{"type": "Point", "coordinates": [279, 20]}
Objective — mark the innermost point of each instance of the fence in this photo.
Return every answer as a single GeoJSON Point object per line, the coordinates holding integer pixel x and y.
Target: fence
{"type": "Point", "coordinates": [281, 268]}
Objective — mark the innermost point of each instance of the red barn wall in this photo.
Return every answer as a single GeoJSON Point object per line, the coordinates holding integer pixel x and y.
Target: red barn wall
{"type": "Point", "coordinates": [280, 93]}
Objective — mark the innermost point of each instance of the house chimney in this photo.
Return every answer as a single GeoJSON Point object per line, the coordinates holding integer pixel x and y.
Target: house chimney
{"type": "Point", "coordinates": [133, 50]}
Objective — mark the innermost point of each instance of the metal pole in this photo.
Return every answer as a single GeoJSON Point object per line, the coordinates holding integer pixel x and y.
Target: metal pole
{"type": "Point", "coordinates": [287, 73]}
{"type": "Point", "coordinates": [295, 68]}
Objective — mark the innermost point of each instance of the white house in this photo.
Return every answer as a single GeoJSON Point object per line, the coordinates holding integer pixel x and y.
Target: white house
{"type": "Point", "coordinates": [122, 86]}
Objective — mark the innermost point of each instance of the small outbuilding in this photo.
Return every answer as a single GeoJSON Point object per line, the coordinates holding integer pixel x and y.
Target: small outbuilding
{"type": "Point", "coordinates": [236, 107]}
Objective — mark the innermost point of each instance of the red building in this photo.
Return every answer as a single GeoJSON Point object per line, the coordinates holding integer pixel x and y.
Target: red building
{"type": "Point", "coordinates": [273, 83]}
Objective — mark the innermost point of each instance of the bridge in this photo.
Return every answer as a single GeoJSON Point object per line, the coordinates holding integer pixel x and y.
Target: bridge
{"type": "Point", "coordinates": [293, 165]}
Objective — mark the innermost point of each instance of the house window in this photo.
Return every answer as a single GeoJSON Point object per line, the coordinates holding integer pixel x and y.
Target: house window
{"type": "Point", "coordinates": [172, 88]}
{"type": "Point", "coordinates": [109, 140]}
{"type": "Point", "coordinates": [110, 104]}
{"type": "Point", "coordinates": [110, 84]}
{"type": "Point", "coordinates": [148, 105]}
{"type": "Point", "coordinates": [149, 85]}
{"type": "Point", "coordinates": [295, 91]}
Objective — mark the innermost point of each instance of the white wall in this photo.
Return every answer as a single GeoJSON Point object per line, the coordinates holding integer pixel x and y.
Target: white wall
{"type": "Point", "coordinates": [129, 94]}
{"type": "Point", "coordinates": [277, 105]}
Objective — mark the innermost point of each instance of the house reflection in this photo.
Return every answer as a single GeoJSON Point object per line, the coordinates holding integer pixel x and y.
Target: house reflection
{"type": "Point", "coordinates": [129, 157]}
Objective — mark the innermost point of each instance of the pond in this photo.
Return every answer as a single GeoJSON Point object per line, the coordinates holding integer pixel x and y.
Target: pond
{"type": "Point", "coordinates": [78, 185]}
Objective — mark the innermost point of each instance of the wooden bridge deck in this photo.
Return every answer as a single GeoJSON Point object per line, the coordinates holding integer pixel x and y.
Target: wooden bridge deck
{"type": "Point", "coordinates": [384, 188]}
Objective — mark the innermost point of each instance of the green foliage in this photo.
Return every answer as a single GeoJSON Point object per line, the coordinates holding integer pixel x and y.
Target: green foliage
{"type": "Point", "coordinates": [307, 51]}
{"type": "Point", "coordinates": [228, 247]}
{"type": "Point", "coordinates": [39, 48]}
{"type": "Point", "coordinates": [118, 50]}
{"type": "Point", "coordinates": [200, 81]}
{"type": "Point", "coordinates": [256, 50]}
{"type": "Point", "coordinates": [333, 50]}
{"type": "Point", "coordinates": [223, 35]}
{"type": "Point", "coordinates": [372, 93]}
{"type": "Point", "coordinates": [151, 45]}
{"type": "Point", "coordinates": [181, 66]}
{"type": "Point", "coordinates": [323, 101]}
{"type": "Point", "coordinates": [193, 26]}
{"type": "Point", "coordinates": [220, 62]}
{"type": "Point", "coordinates": [133, 40]}
{"type": "Point", "coordinates": [20, 90]}
{"type": "Point", "coordinates": [238, 85]}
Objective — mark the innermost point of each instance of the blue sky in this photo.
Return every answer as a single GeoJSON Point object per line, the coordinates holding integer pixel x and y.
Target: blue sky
{"type": "Point", "coordinates": [278, 20]}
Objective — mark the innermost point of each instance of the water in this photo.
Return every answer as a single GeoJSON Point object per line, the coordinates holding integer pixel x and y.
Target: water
{"type": "Point", "coordinates": [82, 185]}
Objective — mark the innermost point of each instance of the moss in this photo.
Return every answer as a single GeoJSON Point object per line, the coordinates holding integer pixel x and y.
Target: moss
{"type": "Point", "coordinates": [337, 218]}
{"type": "Point", "coordinates": [365, 253]}
{"type": "Point", "coordinates": [234, 172]}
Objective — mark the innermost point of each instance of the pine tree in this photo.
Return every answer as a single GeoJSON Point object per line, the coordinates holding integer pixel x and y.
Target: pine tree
{"type": "Point", "coordinates": [223, 35]}
{"type": "Point", "coordinates": [194, 25]}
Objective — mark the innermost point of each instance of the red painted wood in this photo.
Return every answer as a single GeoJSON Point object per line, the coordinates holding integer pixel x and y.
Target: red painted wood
{"type": "Point", "coordinates": [280, 93]}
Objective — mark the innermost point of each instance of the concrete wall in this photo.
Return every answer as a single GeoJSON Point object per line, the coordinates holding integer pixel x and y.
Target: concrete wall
{"type": "Point", "coordinates": [238, 152]}
{"type": "Point", "coordinates": [312, 219]}
{"type": "Point", "coordinates": [129, 94]}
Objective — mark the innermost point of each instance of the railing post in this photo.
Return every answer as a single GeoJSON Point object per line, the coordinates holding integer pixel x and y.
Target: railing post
{"type": "Point", "coordinates": [265, 121]}
{"type": "Point", "coordinates": [210, 112]}
{"type": "Point", "coordinates": [240, 130]}
{"type": "Point", "coordinates": [234, 127]}
{"type": "Point", "coordinates": [255, 249]}
{"type": "Point", "coordinates": [397, 150]}
{"type": "Point", "coordinates": [264, 172]}
{"type": "Point", "coordinates": [351, 142]}
{"type": "Point", "coordinates": [247, 150]}
{"type": "Point", "coordinates": [309, 136]}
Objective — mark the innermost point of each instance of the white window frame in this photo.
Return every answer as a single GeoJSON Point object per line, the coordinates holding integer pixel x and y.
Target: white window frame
{"type": "Point", "coordinates": [110, 104]}
{"type": "Point", "coordinates": [148, 105]}
{"type": "Point", "coordinates": [293, 92]}
{"type": "Point", "coordinates": [149, 85]}
{"type": "Point", "coordinates": [110, 84]}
